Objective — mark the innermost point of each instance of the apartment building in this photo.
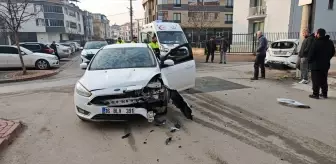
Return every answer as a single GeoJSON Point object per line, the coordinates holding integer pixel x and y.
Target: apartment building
{"type": "Point", "coordinates": [88, 25]}
{"type": "Point", "coordinates": [210, 17]}
{"type": "Point", "coordinates": [100, 26]}
{"type": "Point", "coordinates": [275, 16]}
{"type": "Point", "coordinates": [115, 31]}
{"type": "Point", "coordinates": [125, 31]}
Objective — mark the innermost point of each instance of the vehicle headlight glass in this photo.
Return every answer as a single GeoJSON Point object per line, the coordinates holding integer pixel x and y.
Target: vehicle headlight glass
{"type": "Point", "coordinates": [81, 90]}
{"type": "Point", "coordinates": [83, 53]}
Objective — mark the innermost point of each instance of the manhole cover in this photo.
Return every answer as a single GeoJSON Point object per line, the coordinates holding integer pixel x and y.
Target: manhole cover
{"type": "Point", "coordinates": [212, 84]}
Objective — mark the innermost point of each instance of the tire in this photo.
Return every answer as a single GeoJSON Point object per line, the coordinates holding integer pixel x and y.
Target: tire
{"type": "Point", "coordinates": [42, 64]}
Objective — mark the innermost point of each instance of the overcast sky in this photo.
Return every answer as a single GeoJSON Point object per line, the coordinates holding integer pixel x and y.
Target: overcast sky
{"type": "Point", "coordinates": [112, 7]}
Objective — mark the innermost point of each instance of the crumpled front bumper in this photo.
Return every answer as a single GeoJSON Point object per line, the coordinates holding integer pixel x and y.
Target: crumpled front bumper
{"type": "Point", "coordinates": [287, 61]}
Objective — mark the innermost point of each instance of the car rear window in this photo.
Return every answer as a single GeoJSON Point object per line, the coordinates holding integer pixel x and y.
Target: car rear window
{"type": "Point", "coordinates": [282, 45]}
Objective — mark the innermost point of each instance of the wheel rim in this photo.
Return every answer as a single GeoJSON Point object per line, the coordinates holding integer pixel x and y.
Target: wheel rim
{"type": "Point", "coordinates": [42, 64]}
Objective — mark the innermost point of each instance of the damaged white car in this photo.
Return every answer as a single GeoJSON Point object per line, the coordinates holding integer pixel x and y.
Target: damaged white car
{"type": "Point", "coordinates": [124, 81]}
{"type": "Point", "coordinates": [283, 52]}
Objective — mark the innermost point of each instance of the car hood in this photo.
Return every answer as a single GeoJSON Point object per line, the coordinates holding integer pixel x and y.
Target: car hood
{"type": "Point", "coordinates": [42, 54]}
{"type": "Point", "coordinates": [90, 51]}
{"type": "Point", "coordinates": [115, 78]}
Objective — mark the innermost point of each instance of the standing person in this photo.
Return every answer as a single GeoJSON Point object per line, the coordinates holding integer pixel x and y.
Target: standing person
{"type": "Point", "coordinates": [319, 57]}
{"type": "Point", "coordinates": [135, 40]}
{"type": "Point", "coordinates": [303, 55]}
{"type": "Point", "coordinates": [120, 41]}
{"type": "Point", "coordinates": [155, 46]}
{"type": "Point", "coordinates": [211, 47]}
{"type": "Point", "coordinates": [223, 49]}
{"type": "Point", "coordinates": [54, 47]}
{"type": "Point", "coordinates": [260, 56]}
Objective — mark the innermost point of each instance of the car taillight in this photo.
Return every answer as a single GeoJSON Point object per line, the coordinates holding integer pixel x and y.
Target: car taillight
{"type": "Point", "coordinates": [49, 51]}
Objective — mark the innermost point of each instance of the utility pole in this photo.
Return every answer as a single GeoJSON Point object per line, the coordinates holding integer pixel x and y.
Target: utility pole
{"type": "Point", "coordinates": [305, 22]}
{"type": "Point", "coordinates": [131, 18]}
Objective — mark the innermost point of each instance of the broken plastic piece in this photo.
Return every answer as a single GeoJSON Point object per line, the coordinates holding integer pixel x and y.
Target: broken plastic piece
{"type": "Point", "coordinates": [168, 140]}
{"type": "Point", "coordinates": [180, 103]}
{"type": "Point", "coordinates": [159, 122]}
{"type": "Point", "coordinates": [126, 135]}
{"type": "Point", "coordinates": [292, 103]}
{"type": "Point", "coordinates": [173, 129]}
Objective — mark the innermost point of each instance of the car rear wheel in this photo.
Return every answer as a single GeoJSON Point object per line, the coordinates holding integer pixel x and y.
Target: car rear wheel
{"type": "Point", "coordinates": [42, 64]}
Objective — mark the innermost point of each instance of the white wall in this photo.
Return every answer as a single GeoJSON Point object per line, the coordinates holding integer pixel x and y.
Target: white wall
{"type": "Point", "coordinates": [295, 18]}
{"type": "Point", "coordinates": [325, 18]}
{"type": "Point", "coordinates": [240, 14]}
{"type": "Point", "coordinates": [74, 19]}
{"type": "Point", "coordinates": [42, 37]}
{"type": "Point", "coordinates": [278, 15]}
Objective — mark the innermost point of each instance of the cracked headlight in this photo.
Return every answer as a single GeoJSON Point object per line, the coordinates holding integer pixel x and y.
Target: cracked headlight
{"type": "Point", "coordinates": [81, 90]}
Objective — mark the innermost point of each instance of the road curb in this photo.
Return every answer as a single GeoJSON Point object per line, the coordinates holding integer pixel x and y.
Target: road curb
{"type": "Point", "coordinates": [12, 131]}
{"type": "Point", "coordinates": [30, 78]}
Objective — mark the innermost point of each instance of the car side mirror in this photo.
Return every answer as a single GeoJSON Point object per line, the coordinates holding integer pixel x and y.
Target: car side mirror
{"type": "Point", "coordinates": [169, 62]}
{"type": "Point", "coordinates": [83, 65]}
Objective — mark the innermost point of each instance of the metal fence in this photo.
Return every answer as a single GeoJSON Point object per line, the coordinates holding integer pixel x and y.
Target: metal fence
{"type": "Point", "coordinates": [247, 43]}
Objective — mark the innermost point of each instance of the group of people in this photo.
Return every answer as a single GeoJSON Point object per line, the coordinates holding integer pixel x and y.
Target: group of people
{"type": "Point", "coordinates": [153, 44]}
{"type": "Point", "coordinates": [211, 47]}
{"type": "Point", "coordinates": [315, 54]}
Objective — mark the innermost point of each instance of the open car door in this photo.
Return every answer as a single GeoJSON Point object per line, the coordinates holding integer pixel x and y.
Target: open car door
{"type": "Point", "coordinates": [182, 74]}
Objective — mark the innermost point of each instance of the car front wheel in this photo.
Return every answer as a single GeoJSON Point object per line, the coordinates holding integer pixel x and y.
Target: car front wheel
{"type": "Point", "coordinates": [42, 64]}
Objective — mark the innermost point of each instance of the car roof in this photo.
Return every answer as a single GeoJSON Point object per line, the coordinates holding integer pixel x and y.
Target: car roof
{"type": "Point", "coordinates": [31, 43]}
{"type": "Point", "coordinates": [126, 45]}
{"type": "Point", "coordinates": [287, 40]}
{"type": "Point", "coordinates": [8, 46]}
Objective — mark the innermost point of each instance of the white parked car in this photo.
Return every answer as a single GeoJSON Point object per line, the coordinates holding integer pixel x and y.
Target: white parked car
{"type": "Point", "coordinates": [71, 45]}
{"type": "Point", "coordinates": [124, 81]}
{"type": "Point", "coordinates": [9, 58]}
{"type": "Point", "coordinates": [283, 52]}
{"type": "Point", "coordinates": [90, 49]}
{"type": "Point", "coordinates": [63, 51]}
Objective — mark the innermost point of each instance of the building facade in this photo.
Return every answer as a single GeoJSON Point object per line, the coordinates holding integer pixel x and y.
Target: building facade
{"type": "Point", "coordinates": [88, 25]}
{"type": "Point", "coordinates": [197, 17]}
{"type": "Point", "coordinates": [100, 26]}
{"type": "Point", "coordinates": [125, 31]}
{"type": "Point", "coordinates": [115, 31]}
{"type": "Point", "coordinates": [264, 15]}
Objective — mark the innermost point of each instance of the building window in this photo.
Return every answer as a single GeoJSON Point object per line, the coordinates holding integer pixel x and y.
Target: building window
{"type": "Point", "coordinates": [67, 24]}
{"type": "Point", "coordinates": [331, 5]}
{"type": "Point", "coordinates": [40, 22]}
{"type": "Point", "coordinates": [73, 25]}
{"type": "Point", "coordinates": [79, 28]}
{"type": "Point", "coordinates": [177, 17]}
{"type": "Point", "coordinates": [211, 16]}
{"type": "Point", "coordinates": [163, 15]}
{"type": "Point", "coordinates": [229, 3]}
{"type": "Point", "coordinates": [211, 3]}
{"type": "Point", "coordinates": [78, 16]}
{"type": "Point", "coordinates": [52, 9]}
{"type": "Point", "coordinates": [66, 11]}
{"type": "Point", "coordinates": [54, 23]}
{"type": "Point", "coordinates": [228, 18]}
{"type": "Point", "coordinates": [177, 3]}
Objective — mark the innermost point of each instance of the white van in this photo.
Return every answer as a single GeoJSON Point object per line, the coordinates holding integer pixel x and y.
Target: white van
{"type": "Point", "coordinates": [169, 35]}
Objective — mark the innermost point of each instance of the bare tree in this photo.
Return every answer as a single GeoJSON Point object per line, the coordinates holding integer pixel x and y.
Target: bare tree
{"type": "Point", "coordinates": [200, 19]}
{"type": "Point", "coordinates": [15, 13]}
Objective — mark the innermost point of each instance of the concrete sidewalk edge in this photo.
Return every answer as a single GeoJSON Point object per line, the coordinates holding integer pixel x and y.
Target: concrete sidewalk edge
{"type": "Point", "coordinates": [11, 134]}
{"type": "Point", "coordinates": [30, 78]}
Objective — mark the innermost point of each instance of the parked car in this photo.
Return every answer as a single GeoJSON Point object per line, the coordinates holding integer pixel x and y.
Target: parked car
{"type": "Point", "coordinates": [63, 51]}
{"type": "Point", "coordinates": [283, 52]}
{"type": "Point", "coordinates": [9, 58]}
{"type": "Point", "coordinates": [90, 49]}
{"type": "Point", "coordinates": [37, 47]}
{"type": "Point", "coordinates": [77, 45]}
{"type": "Point", "coordinates": [71, 45]}
{"type": "Point", "coordinates": [126, 81]}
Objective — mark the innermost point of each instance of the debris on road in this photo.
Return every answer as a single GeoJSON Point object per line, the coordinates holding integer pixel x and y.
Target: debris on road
{"type": "Point", "coordinates": [126, 135]}
{"type": "Point", "coordinates": [292, 103]}
{"type": "Point", "coordinates": [158, 122]}
{"type": "Point", "coordinates": [177, 125]}
{"type": "Point", "coordinates": [145, 142]}
{"type": "Point", "coordinates": [168, 140]}
{"type": "Point", "coordinates": [173, 129]}
{"type": "Point", "coordinates": [180, 147]}
{"type": "Point", "coordinates": [151, 131]}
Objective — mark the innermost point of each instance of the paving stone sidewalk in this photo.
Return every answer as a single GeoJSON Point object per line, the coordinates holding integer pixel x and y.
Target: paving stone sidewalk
{"type": "Point", "coordinates": [8, 131]}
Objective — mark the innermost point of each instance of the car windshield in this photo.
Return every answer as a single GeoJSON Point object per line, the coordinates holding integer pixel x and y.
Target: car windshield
{"type": "Point", "coordinates": [282, 45]}
{"type": "Point", "coordinates": [119, 58]}
{"type": "Point", "coordinates": [94, 45]}
{"type": "Point", "coordinates": [171, 37]}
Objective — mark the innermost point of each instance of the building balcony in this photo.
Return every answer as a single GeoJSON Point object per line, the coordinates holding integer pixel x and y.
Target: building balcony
{"type": "Point", "coordinates": [257, 12]}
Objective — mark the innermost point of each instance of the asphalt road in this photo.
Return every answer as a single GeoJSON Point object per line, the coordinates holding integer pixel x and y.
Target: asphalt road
{"type": "Point", "coordinates": [221, 132]}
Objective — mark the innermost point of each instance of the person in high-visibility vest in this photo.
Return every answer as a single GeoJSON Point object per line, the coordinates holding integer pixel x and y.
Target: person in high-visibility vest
{"type": "Point", "coordinates": [155, 46]}
{"type": "Point", "coordinates": [135, 40]}
{"type": "Point", "coordinates": [119, 41]}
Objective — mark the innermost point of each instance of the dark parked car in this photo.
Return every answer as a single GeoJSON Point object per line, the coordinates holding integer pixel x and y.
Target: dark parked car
{"type": "Point", "coordinates": [37, 47]}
